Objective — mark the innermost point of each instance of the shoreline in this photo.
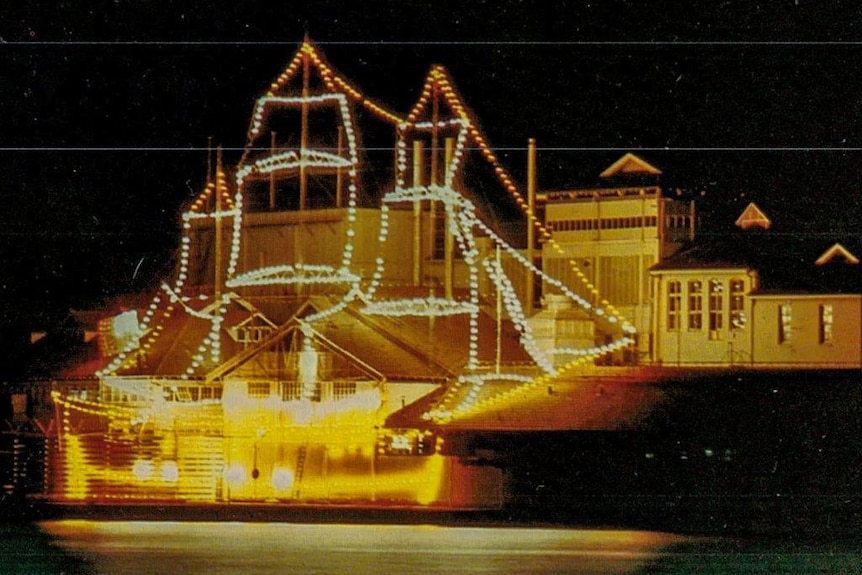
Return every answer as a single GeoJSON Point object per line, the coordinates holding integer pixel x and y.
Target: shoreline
{"type": "Point", "coordinates": [786, 517]}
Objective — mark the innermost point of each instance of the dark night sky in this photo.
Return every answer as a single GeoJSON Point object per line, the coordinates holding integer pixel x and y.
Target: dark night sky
{"type": "Point", "coordinates": [105, 112]}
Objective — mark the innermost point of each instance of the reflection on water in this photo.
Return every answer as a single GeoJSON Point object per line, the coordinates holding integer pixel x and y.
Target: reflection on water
{"type": "Point", "coordinates": [219, 548]}
{"type": "Point", "coordinates": [117, 548]}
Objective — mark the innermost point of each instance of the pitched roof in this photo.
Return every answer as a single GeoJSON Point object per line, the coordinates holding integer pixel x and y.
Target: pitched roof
{"type": "Point", "coordinates": [785, 263]}
{"type": "Point", "coordinates": [835, 251]}
{"type": "Point", "coordinates": [399, 349]}
{"type": "Point", "coordinates": [630, 164]}
{"type": "Point", "coordinates": [753, 216]}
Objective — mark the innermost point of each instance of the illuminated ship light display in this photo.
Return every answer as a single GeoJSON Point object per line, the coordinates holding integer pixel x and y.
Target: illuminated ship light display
{"type": "Point", "coordinates": [319, 331]}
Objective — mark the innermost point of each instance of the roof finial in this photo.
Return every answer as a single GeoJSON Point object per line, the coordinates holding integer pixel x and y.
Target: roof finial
{"type": "Point", "coordinates": [209, 159]}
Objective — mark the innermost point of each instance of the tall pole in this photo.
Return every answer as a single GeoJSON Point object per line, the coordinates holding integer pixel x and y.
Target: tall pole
{"type": "Point", "coordinates": [303, 137]}
{"type": "Point", "coordinates": [432, 211]}
{"type": "Point", "coordinates": [448, 238]}
{"type": "Point", "coordinates": [210, 178]}
{"type": "Point", "coordinates": [272, 145]}
{"type": "Point", "coordinates": [339, 173]}
{"type": "Point", "coordinates": [417, 214]}
{"type": "Point", "coordinates": [218, 231]}
{"type": "Point", "coordinates": [499, 356]}
{"type": "Point", "coordinates": [531, 229]}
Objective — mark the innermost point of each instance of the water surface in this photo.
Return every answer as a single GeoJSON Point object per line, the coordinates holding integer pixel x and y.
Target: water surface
{"type": "Point", "coordinates": [150, 548]}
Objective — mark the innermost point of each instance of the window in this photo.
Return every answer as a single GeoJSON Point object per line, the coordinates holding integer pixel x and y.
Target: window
{"type": "Point", "coordinates": [342, 389]}
{"type": "Point", "coordinates": [249, 334]}
{"type": "Point", "coordinates": [291, 390]}
{"type": "Point", "coordinates": [695, 305]}
{"type": "Point", "coordinates": [210, 392]}
{"type": "Point", "coordinates": [674, 305]}
{"type": "Point", "coordinates": [441, 231]}
{"type": "Point", "coordinates": [258, 389]}
{"type": "Point", "coordinates": [737, 304]}
{"type": "Point", "coordinates": [785, 318]}
{"type": "Point", "coordinates": [439, 235]}
{"type": "Point", "coordinates": [826, 323]}
{"type": "Point", "coordinates": [716, 305]}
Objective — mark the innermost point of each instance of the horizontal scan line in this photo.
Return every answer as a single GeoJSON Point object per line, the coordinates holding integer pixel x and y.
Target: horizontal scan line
{"type": "Point", "coordinates": [599, 43]}
{"type": "Point", "coordinates": [496, 149]}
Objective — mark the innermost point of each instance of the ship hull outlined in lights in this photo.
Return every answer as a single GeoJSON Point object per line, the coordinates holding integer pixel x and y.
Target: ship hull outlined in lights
{"type": "Point", "coordinates": [320, 330]}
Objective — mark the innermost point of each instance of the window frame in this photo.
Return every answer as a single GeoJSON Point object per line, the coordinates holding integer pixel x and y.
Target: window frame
{"type": "Point", "coordinates": [694, 317]}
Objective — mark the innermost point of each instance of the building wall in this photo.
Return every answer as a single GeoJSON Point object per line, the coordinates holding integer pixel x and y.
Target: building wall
{"type": "Point", "coordinates": [777, 331]}
{"type": "Point", "coordinates": [615, 237]}
{"type": "Point", "coordinates": [801, 341]}
{"type": "Point", "coordinates": [700, 319]}
{"type": "Point", "coordinates": [319, 237]}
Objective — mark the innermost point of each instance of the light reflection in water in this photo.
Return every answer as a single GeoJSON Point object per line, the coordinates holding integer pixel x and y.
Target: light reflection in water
{"type": "Point", "coordinates": [141, 548]}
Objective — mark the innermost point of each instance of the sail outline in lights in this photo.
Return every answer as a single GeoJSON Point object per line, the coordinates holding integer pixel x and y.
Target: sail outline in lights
{"type": "Point", "coordinates": [463, 225]}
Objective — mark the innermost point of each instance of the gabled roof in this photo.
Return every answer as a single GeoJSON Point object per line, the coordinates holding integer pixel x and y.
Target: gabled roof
{"type": "Point", "coordinates": [837, 250]}
{"type": "Point", "coordinates": [630, 164]}
{"type": "Point", "coordinates": [713, 255]}
{"type": "Point", "coordinates": [784, 263]}
{"type": "Point", "coordinates": [753, 216]}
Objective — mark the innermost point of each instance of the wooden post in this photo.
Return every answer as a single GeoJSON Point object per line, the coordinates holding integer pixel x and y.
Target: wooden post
{"type": "Point", "coordinates": [417, 214]}
{"type": "Point", "coordinates": [448, 238]}
{"type": "Point", "coordinates": [531, 228]}
{"type": "Point", "coordinates": [217, 272]}
{"type": "Point", "coordinates": [432, 209]}
{"type": "Point", "coordinates": [272, 146]}
{"type": "Point", "coordinates": [303, 136]}
{"type": "Point", "coordinates": [339, 173]}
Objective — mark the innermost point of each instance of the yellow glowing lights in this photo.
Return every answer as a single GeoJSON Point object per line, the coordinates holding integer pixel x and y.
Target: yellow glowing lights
{"type": "Point", "coordinates": [306, 448]}
{"type": "Point", "coordinates": [294, 274]}
{"type": "Point", "coordinates": [235, 474]}
{"type": "Point", "coordinates": [282, 478]}
{"type": "Point", "coordinates": [169, 471]}
{"type": "Point", "coordinates": [143, 469]}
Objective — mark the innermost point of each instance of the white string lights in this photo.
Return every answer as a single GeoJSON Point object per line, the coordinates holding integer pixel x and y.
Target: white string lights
{"type": "Point", "coordinates": [290, 161]}
{"type": "Point", "coordinates": [294, 274]}
{"type": "Point", "coordinates": [463, 226]}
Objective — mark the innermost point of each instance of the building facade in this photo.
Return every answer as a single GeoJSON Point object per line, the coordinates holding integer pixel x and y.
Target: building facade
{"type": "Point", "coordinates": [613, 233]}
{"type": "Point", "coordinates": [760, 300]}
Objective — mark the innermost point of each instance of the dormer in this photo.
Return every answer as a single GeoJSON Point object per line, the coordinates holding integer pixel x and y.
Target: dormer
{"type": "Point", "coordinates": [753, 217]}
{"type": "Point", "coordinates": [837, 251]}
{"type": "Point", "coordinates": [252, 330]}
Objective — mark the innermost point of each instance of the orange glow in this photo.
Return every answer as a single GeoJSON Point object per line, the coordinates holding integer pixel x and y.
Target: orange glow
{"type": "Point", "coordinates": [142, 469]}
{"type": "Point", "coordinates": [77, 472]}
{"type": "Point", "coordinates": [282, 478]}
{"type": "Point", "coordinates": [235, 475]}
{"type": "Point", "coordinates": [296, 451]}
{"type": "Point", "coordinates": [169, 471]}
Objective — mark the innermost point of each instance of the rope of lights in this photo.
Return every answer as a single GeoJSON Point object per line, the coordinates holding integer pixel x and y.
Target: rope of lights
{"type": "Point", "coordinates": [294, 274]}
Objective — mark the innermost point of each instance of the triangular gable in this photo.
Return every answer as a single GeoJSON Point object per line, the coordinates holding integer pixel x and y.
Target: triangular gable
{"type": "Point", "coordinates": [752, 217]}
{"type": "Point", "coordinates": [630, 164]}
{"type": "Point", "coordinates": [256, 319]}
{"type": "Point", "coordinates": [837, 250]}
{"type": "Point", "coordinates": [309, 59]}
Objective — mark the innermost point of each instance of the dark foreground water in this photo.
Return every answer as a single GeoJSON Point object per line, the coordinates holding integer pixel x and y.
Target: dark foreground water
{"type": "Point", "coordinates": [141, 548]}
